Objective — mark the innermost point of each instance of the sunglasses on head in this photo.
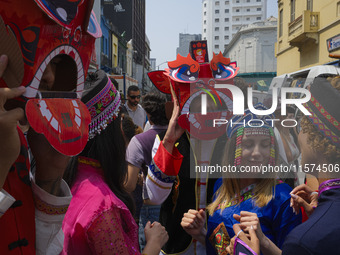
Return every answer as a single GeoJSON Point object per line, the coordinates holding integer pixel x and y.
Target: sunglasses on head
{"type": "Point", "coordinates": [134, 97]}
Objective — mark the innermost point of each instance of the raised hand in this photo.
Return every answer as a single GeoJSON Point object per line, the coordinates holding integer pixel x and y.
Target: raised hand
{"type": "Point", "coordinates": [174, 130]}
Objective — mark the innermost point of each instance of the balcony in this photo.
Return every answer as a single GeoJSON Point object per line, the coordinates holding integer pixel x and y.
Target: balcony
{"type": "Point", "coordinates": [106, 63]}
{"type": "Point", "coordinates": [304, 29]}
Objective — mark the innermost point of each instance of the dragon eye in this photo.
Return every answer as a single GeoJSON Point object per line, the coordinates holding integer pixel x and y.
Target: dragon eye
{"type": "Point", "coordinates": [94, 27]}
{"type": "Point", "coordinates": [183, 69]}
{"type": "Point", "coordinates": [63, 11]}
{"type": "Point", "coordinates": [225, 72]}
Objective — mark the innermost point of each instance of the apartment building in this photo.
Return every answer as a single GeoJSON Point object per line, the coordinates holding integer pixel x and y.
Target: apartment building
{"type": "Point", "coordinates": [223, 18]}
{"type": "Point", "coordinates": [308, 31]}
{"type": "Point", "coordinates": [252, 47]}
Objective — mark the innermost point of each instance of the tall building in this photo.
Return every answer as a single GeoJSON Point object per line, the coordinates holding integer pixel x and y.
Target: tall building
{"type": "Point", "coordinates": [223, 18]}
{"type": "Point", "coordinates": [184, 43]}
{"type": "Point", "coordinates": [129, 18]}
{"type": "Point", "coordinates": [308, 31]}
{"type": "Point", "coordinates": [153, 64]}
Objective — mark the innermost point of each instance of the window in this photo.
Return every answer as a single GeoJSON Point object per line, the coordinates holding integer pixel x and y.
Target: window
{"type": "Point", "coordinates": [248, 19]}
{"type": "Point", "coordinates": [292, 10]}
{"type": "Point", "coordinates": [237, 1]}
{"type": "Point", "coordinates": [259, 1]}
{"type": "Point", "coordinates": [216, 46]}
{"type": "Point", "coordinates": [217, 29]}
{"type": "Point", "coordinates": [217, 20]}
{"type": "Point", "coordinates": [217, 11]}
{"type": "Point", "coordinates": [248, 10]}
{"type": "Point", "coordinates": [258, 18]}
{"type": "Point", "coordinates": [310, 5]}
{"type": "Point", "coordinates": [205, 22]}
{"type": "Point", "coordinates": [205, 13]}
{"type": "Point", "coordinates": [217, 38]}
{"type": "Point", "coordinates": [281, 22]}
{"type": "Point", "coordinates": [237, 19]}
{"type": "Point", "coordinates": [205, 5]}
{"type": "Point", "coordinates": [248, 1]}
{"type": "Point", "coordinates": [226, 19]}
{"type": "Point", "coordinates": [237, 10]}
{"type": "Point", "coordinates": [205, 30]}
{"type": "Point", "coordinates": [226, 11]}
{"type": "Point", "coordinates": [204, 38]}
{"type": "Point", "coordinates": [226, 28]}
{"type": "Point", "coordinates": [217, 3]}
{"type": "Point", "coordinates": [258, 9]}
{"type": "Point", "coordinates": [226, 2]}
{"type": "Point", "coordinates": [226, 37]}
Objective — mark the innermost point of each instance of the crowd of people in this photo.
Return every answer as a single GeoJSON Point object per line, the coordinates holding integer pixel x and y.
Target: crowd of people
{"type": "Point", "coordinates": [126, 180]}
{"type": "Point", "coordinates": [133, 189]}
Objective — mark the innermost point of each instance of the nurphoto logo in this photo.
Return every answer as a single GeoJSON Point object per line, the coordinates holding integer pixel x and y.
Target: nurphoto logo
{"type": "Point", "coordinates": [238, 104]}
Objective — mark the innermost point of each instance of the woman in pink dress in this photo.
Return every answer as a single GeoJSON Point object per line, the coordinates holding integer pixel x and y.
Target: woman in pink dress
{"type": "Point", "coordinates": [99, 219]}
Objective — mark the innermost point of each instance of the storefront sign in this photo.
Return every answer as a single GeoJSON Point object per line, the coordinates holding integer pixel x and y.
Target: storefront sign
{"type": "Point", "coordinates": [333, 43]}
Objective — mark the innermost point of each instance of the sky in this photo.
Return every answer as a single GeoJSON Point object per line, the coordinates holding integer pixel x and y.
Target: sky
{"type": "Point", "coordinates": [166, 19]}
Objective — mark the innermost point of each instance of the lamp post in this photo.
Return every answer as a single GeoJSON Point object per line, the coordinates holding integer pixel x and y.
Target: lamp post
{"type": "Point", "coordinates": [161, 64]}
{"type": "Point", "coordinates": [124, 84]}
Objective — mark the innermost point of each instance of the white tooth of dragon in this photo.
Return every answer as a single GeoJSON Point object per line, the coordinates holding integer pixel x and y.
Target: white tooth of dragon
{"type": "Point", "coordinates": [77, 117]}
{"type": "Point", "coordinates": [48, 115]}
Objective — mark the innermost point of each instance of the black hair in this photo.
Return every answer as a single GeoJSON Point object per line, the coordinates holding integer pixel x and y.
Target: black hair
{"type": "Point", "coordinates": [108, 148]}
{"type": "Point", "coordinates": [154, 105]}
{"type": "Point", "coordinates": [132, 88]}
{"type": "Point", "coordinates": [128, 126]}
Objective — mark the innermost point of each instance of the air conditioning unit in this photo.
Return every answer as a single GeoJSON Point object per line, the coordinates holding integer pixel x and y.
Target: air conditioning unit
{"type": "Point", "coordinates": [117, 70]}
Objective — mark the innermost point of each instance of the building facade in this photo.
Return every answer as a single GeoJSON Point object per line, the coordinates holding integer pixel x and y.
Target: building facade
{"type": "Point", "coordinates": [106, 49]}
{"type": "Point", "coordinates": [184, 43]}
{"type": "Point", "coordinates": [223, 18]}
{"type": "Point", "coordinates": [153, 64]}
{"type": "Point", "coordinates": [308, 31]}
{"type": "Point", "coordinates": [95, 64]}
{"type": "Point", "coordinates": [253, 48]}
{"type": "Point", "coordinates": [129, 19]}
{"type": "Point", "coordinates": [138, 31]}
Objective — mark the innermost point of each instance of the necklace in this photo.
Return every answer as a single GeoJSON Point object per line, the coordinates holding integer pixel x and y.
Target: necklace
{"type": "Point", "coordinates": [245, 194]}
{"type": "Point", "coordinates": [88, 161]}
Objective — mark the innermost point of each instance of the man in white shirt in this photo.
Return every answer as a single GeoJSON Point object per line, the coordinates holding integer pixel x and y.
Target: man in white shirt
{"type": "Point", "coordinates": [133, 108]}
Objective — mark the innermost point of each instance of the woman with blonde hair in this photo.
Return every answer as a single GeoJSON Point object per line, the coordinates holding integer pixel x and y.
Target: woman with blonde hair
{"type": "Point", "coordinates": [319, 139]}
{"type": "Point", "coordinates": [250, 149]}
